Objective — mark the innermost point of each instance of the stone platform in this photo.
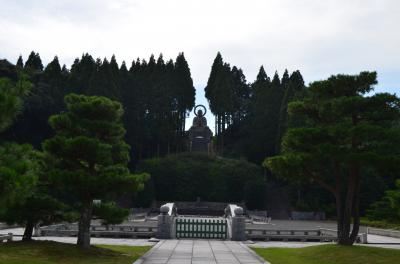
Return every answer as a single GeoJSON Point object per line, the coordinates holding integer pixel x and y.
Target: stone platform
{"type": "Point", "coordinates": [200, 252]}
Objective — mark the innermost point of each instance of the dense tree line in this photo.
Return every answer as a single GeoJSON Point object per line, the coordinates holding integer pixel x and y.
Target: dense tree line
{"type": "Point", "coordinates": [156, 96]}
{"type": "Point", "coordinates": [188, 176]}
{"type": "Point", "coordinates": [250, 118]}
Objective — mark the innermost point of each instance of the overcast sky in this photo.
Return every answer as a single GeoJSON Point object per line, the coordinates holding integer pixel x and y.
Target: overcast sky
{"type": "Point", "coordinates": [320, 38]}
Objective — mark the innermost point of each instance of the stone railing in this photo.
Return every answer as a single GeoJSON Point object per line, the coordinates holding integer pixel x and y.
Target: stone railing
{"type": "Point", "coordinates": [383, 232]}
{"type": "Point", "coordinates": [320, 234]}
{"type": "Point", "coordinates": [139, 230]}
{"type": "Point", "coordinates": [258, 216]}
{"type": "Point", "coordinates": [7, 238]}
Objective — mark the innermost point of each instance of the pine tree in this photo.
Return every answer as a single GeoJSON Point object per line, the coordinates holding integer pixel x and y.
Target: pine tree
{"type": "Point", "coordinates": [89, 154]}
{"type": "Point", "coordinates": [40, 204]}
{"type": "Point", "coordinates": [17, 177]}
{"type": "Point", "coordinates": [16, 167]}
{"type": "Point", "coordinates": [11, 98]}
{"type": "Point", "coordinates": [347, 132]}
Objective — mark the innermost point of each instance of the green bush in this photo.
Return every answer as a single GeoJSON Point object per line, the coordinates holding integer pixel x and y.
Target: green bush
{"type": "Point", "coordinates": [388, 208]}
{"type": "Point", "coordinates": [186, 176]}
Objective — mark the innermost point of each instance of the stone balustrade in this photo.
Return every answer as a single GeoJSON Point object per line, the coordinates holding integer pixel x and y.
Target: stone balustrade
{"type": "Point", "coordinates": [383, 232]}
{"type": "Point", "coordinates": [143, 230]}
{"type": "Point", "coordinates": [320, 234]}
{"type": "Point", "coordinates": [7, 238]}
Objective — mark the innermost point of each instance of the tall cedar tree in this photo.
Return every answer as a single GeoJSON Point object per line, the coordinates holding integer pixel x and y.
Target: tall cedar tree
{"type": "Point", "coordinates": [257, 121]}
{"type": "Point", "coordinates": [90, 156]}
{"type": "Point", "coordinates": [293, 89]}
{"type": "Point", "coordinates": [346, 132]}
{"type": "Point", "coordinates": [227, 93]}
{"type": "Point", "coordinates": [184, 90]}
{"type": "Point", "coordinates": [20, 62]}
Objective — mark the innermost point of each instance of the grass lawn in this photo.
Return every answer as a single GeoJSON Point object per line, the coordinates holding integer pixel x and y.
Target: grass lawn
{"type": "Point", "coordinates": [47, 252]}
{"type": "Point", "coordinates": [330, 254]}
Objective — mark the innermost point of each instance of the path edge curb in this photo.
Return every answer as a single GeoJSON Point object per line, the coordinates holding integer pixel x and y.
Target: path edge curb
{"type": "Point", "coordinates": [148, 253]}
{"type": "Point", "coordinates": [254, 253]}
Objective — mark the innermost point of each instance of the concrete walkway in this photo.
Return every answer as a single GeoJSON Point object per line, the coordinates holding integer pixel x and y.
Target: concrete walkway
{"type": "Point", "coordinates": [200, 252]}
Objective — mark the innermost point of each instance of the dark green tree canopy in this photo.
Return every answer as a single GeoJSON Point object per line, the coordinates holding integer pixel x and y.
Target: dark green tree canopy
{"type": "Point", "coordinates": [20, 62]}
{"type": "Point", "coordinates": [11, 98]}
{"type": "Point", "coordinates": [34, 63]}
{"type": "Point", "coordinates": [345, 132]}
{"type": "Point", "coordinates": [89, 155]}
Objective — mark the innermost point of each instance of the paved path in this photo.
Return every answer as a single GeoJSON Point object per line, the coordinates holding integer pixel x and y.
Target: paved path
{"type": "Point", "coordinates": [200, 252]}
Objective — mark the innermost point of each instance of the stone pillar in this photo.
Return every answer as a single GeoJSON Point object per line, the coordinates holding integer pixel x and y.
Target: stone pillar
{"type": "Point", "coordinates": [165, 223]}
{"type": "Point", "coordinates": [238, 225]}
{"type": "Point", "coordinates": [363, 238]}
{"type": "Point", "coordinates": [37, 231]}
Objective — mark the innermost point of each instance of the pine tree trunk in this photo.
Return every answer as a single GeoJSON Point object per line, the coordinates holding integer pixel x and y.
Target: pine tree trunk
{"type": "Point", "coordinates": [28, 231]}
{"type": "Point", "coordinates": [84, 225]}
{"type": "Point", "coordinates": [356, 205]}
{"type": "Point", "coordinates": [223, 122]}
{"type": "Point", "coordinates": [218, 124]}
{"type": "Point", "coordinates": [184, 123]}
{"type": "Point", "coordinates": [349, 210]}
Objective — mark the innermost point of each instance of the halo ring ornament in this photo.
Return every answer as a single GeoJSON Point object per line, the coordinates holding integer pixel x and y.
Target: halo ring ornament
{"type": "Point", "coordinates": [204, 112]}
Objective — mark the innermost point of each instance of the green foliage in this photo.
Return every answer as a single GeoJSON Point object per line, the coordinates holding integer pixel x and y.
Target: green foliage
{"type": "Point", "coordinates": [329, 254]}
{"type": "Point", "coordinates": [41, 204]}
{"type": "Point", "coordinates": [89, 156]}
{"type": "Point", "coordinates": [17, 175]}
{"type": "Point", "coordinates": [388, 208]}
{"type": "Point", "coordinates": [184, 177]}
{"type": "Point", "coordinates": [228, 94]}
{"type": "Point", "coordinates": [20, 62]}
{"type": "Point", "coordinates": [110, 213]}
{"type": "Point", "coordinates": [380, 223]}
{"type": "Point", "coordinates": [11, 96]}
{"type": "Point", "coordinates": [89, 150]}
{"type": "Point", "coordinates": [33, 63]}
{"type": "Point", "coordinates": [344, 134]}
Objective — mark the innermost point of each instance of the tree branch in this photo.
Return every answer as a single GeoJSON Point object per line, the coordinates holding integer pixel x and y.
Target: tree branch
{"type": "Point", "coordinates": [320, 181]}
